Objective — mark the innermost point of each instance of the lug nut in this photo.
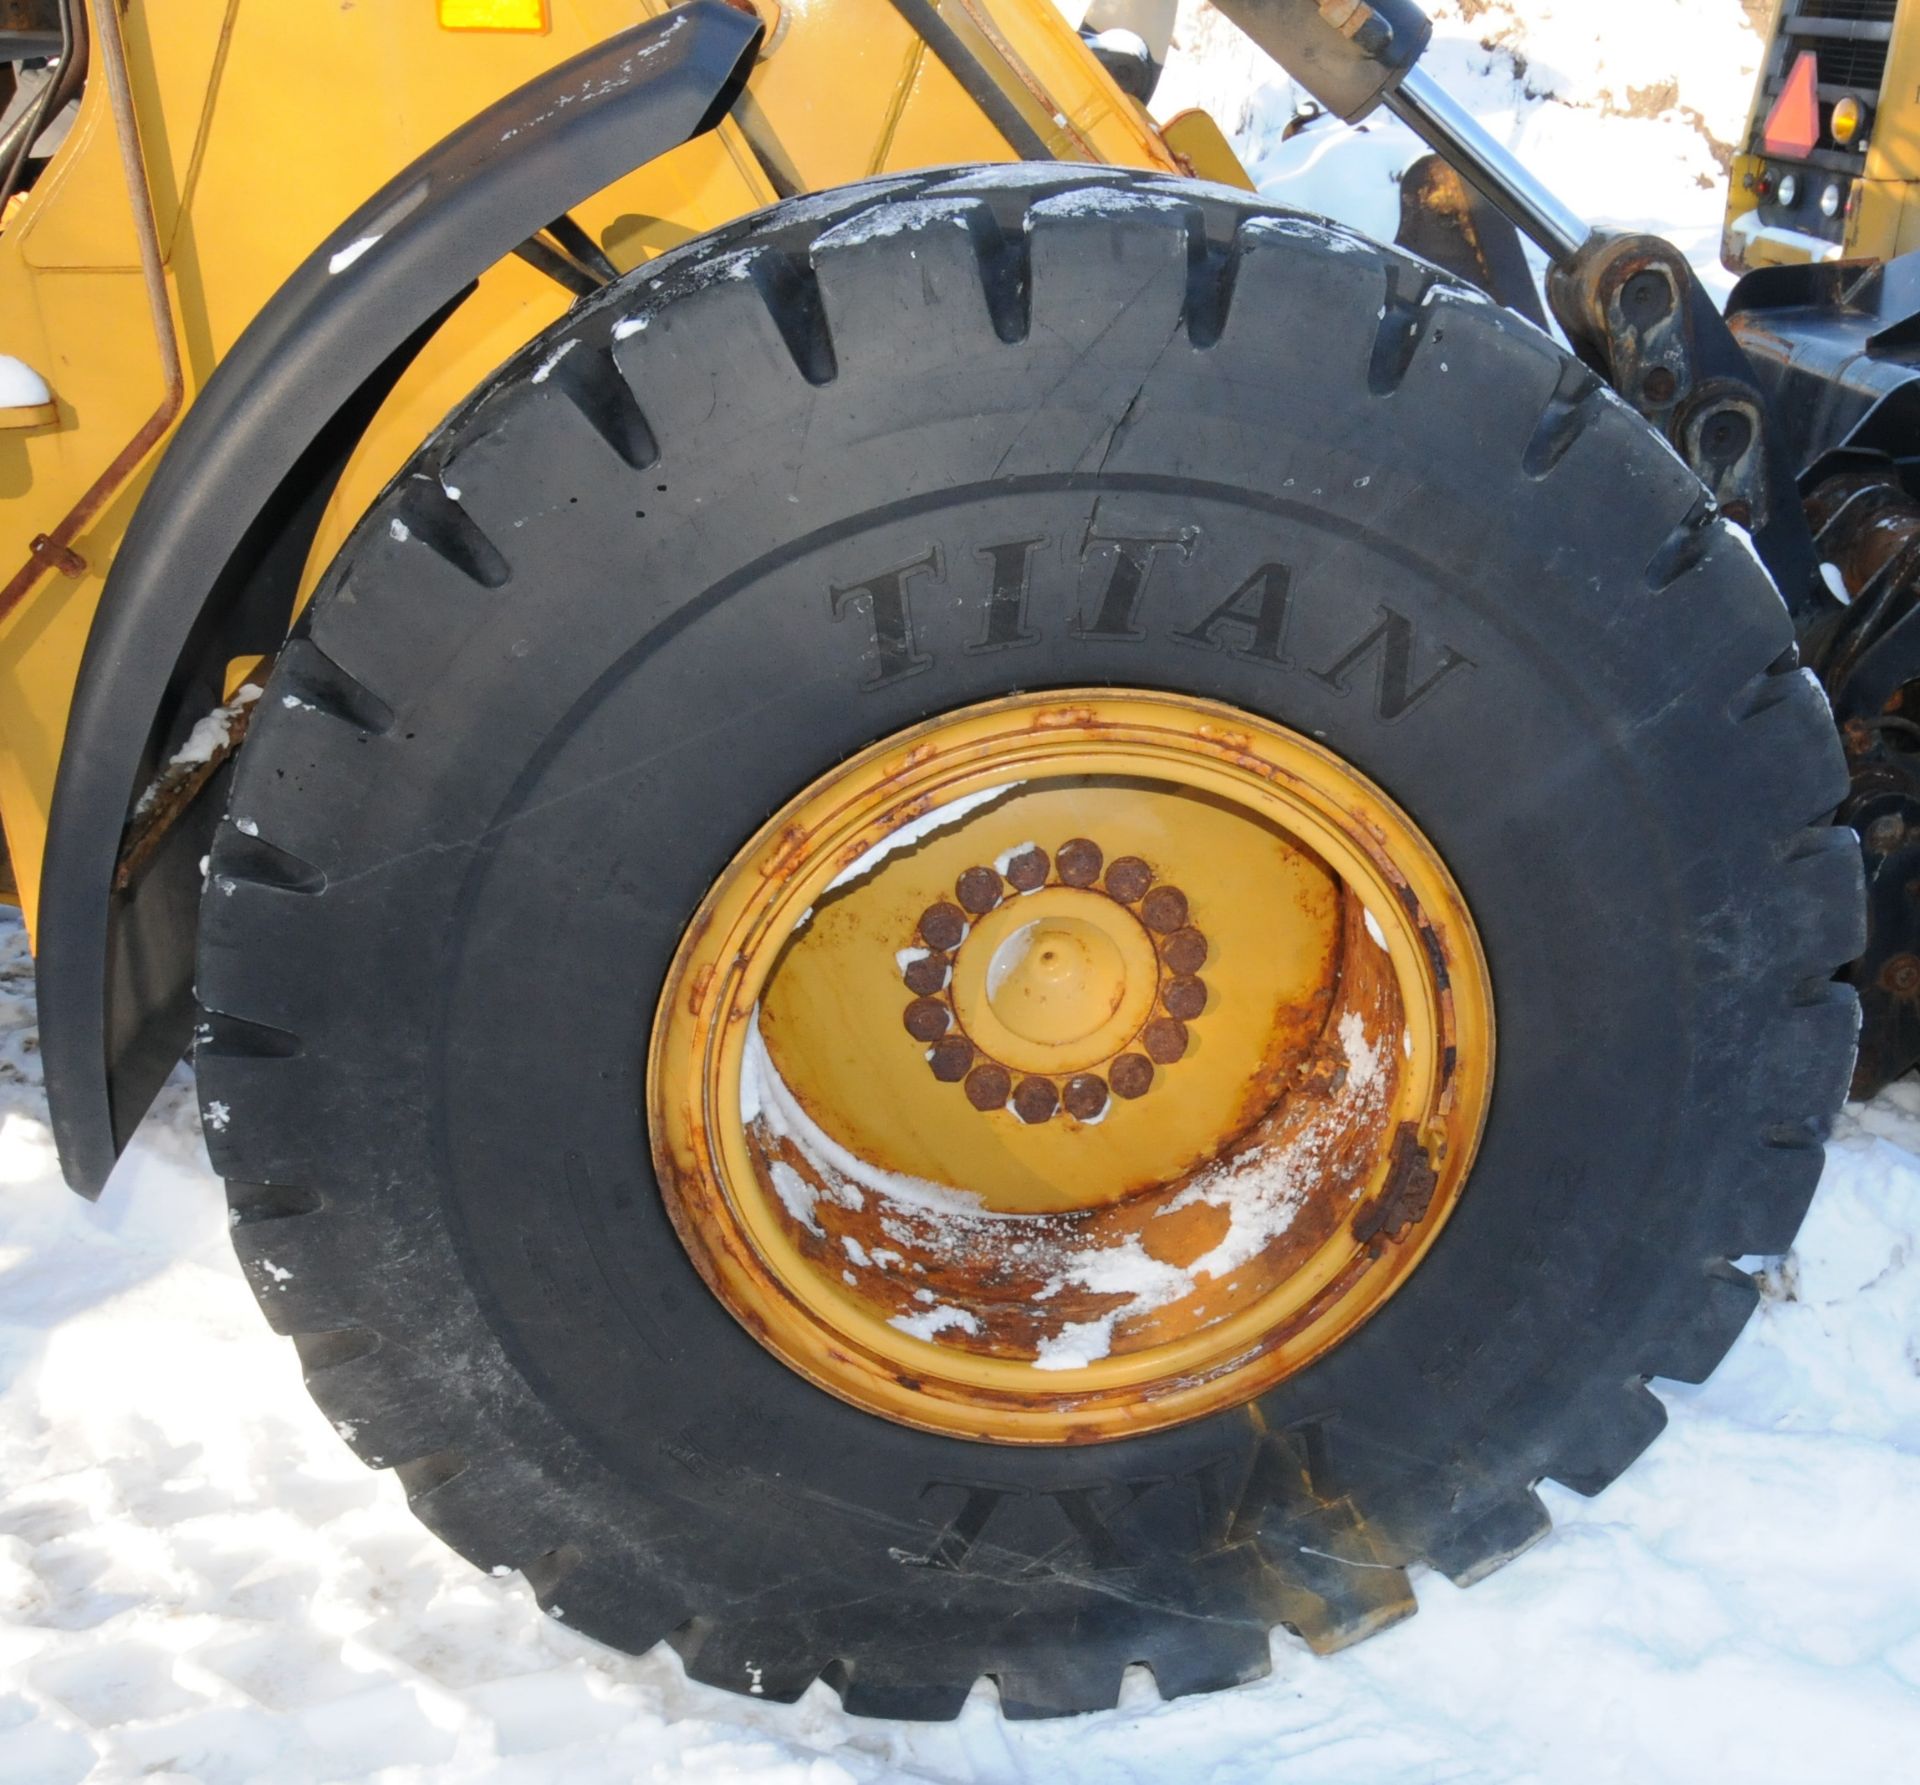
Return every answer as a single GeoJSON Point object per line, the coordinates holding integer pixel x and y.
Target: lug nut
{"type": "Point", "coordinates": [951, 1059]}
{"type": "Point", "coordinates": [942, 926]}
{"type": "Point", "coordinates": [1035, 1100]}
{"type": "Point", "coordinates": [978, 890]}
{"type": "Point", "coordinates": [1128, 878]}
{"type": "Point", "coordinates": [927, 1019]}
{"type": "Point", "coordinates": [988, 1086]}
{"type": "Point", "coordinates": [1186, 998]}
{"type": "Point", "coordinates": [1165, 1040]}
{"type": "Point", "coordinates": [926, 975]}
{"type": "Point", "coordinates": [1085, 1096]}
{"type": "Point", "coordinates": [1185, 951]}
{"type": "Point", "coordinates": [1131, 1075]}
{"type": "Point", "coordinates": [1164, 909]}
{"type": "Point", "coordinates": [1029, 869]}
{"type": "Point", "coordinates": [1079, 862]}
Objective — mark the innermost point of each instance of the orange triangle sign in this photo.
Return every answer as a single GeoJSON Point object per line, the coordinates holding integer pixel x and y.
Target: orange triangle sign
{"type": "Point", "coordinates": [1793, 126]}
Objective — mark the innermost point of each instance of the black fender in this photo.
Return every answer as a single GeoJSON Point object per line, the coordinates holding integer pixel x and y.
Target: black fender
{"type": "Point", "coordinates": [234, 501]}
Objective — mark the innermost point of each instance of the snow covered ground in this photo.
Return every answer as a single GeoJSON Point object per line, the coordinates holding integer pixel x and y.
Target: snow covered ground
{"type": "Point", "coordinates": [197, 1580]}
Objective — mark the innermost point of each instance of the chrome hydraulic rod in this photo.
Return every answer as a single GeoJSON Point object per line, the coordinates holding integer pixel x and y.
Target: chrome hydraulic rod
{"type": "Point", "coordinates": [1433, 114]}
{"type": "Point", "coordinates": [1356, 55]}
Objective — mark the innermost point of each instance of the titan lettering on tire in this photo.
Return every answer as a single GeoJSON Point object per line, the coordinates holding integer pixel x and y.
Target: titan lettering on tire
{"type": "Point", "coordinates": [918, 449]}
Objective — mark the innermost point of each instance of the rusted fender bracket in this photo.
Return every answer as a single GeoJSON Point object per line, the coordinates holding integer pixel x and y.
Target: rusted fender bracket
{"type": "Point", "coordinates": [1453, 224]}
{"type": "Point", "coordinates": [114, 984]}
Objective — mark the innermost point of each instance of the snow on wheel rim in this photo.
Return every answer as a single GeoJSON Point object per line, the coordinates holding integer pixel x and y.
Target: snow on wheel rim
{"type": "Point", "coordinates": [970, 1111]}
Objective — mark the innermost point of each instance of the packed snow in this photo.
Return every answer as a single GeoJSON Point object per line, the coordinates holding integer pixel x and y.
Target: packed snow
{"type": "Point", "coordinates": [1260, 1189]}
{"type": "Point", "coordinates": [199, 1582]}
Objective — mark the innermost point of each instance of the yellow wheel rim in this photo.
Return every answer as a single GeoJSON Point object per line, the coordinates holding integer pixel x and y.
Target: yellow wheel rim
{"type": "Point", "coordinates": [1071, 1066]}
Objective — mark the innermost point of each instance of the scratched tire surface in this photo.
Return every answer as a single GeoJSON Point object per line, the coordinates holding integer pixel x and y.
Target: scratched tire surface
{"type": "Point", "coordinates": [860, 459]}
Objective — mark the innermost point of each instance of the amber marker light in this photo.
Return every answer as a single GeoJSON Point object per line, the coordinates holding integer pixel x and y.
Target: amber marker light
{"type": "Point", "coordinates": [493, 15]}
{"type": "Point", "coordinates": [1850, 119]}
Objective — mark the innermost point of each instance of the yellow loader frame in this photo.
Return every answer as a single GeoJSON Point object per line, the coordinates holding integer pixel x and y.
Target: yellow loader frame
{"type": "Point", "coordinates": [234, 372]}
{"type": "Point", "coordinates": [257, 125]}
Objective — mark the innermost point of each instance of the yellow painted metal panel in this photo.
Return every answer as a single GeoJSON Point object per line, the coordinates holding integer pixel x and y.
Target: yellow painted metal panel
{"type": "Point", "coordinates": [266, 124]}
{"type": "Point", "coordinates": [79, 215]}
{"type": "Point", "coordinates": [1893, 145]}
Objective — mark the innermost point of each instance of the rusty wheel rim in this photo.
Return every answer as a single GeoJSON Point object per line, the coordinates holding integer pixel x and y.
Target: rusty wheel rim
{"type": "Point", "coordinates": [1071, 1066]}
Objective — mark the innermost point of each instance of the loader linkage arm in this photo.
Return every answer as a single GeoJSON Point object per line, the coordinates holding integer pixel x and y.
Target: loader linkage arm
{"type": "Point", "coordinates": [1634, 311]}
{"type": "Point", "coordinates": [1630, 305]}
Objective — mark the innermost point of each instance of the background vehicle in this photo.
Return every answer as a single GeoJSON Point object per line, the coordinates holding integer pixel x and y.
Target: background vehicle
{"type": "Point", "coordinates": [1062, 708]}
{"type": "Point", "coordinates": [1828, 167]}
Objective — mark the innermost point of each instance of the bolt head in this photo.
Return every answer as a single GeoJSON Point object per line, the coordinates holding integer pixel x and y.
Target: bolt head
{"type": "Point", "coordinates": [1886, 834]}
{"type": "Point", "coordinates": [1660, 386]}
{"type": "Point", "coordinates": [1647, 298]}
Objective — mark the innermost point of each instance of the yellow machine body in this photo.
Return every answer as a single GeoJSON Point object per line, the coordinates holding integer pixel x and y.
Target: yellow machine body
{"type": "Point", "coordinates": [262, 125]}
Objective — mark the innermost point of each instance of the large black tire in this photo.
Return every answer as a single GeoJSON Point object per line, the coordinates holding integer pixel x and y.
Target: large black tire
{"type": "Point", "coordinates": [592, 638]}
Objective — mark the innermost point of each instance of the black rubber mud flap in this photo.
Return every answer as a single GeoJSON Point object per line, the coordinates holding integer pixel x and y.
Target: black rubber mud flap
{"type": "Point", "coordinates": [589, 640]}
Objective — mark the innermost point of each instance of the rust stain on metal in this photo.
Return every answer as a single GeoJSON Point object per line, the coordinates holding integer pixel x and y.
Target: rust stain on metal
{"type": "Point", "coordinates": [1015, 1279]}
{"type": "Point", "coordinates": [1402, 1200]}
{"type": "Point", "coordinates": [788, 851]}
{"type": "Point", "coordinates": [167, 801]}
{"type": "Point", "coordinates": [1901, 976]}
